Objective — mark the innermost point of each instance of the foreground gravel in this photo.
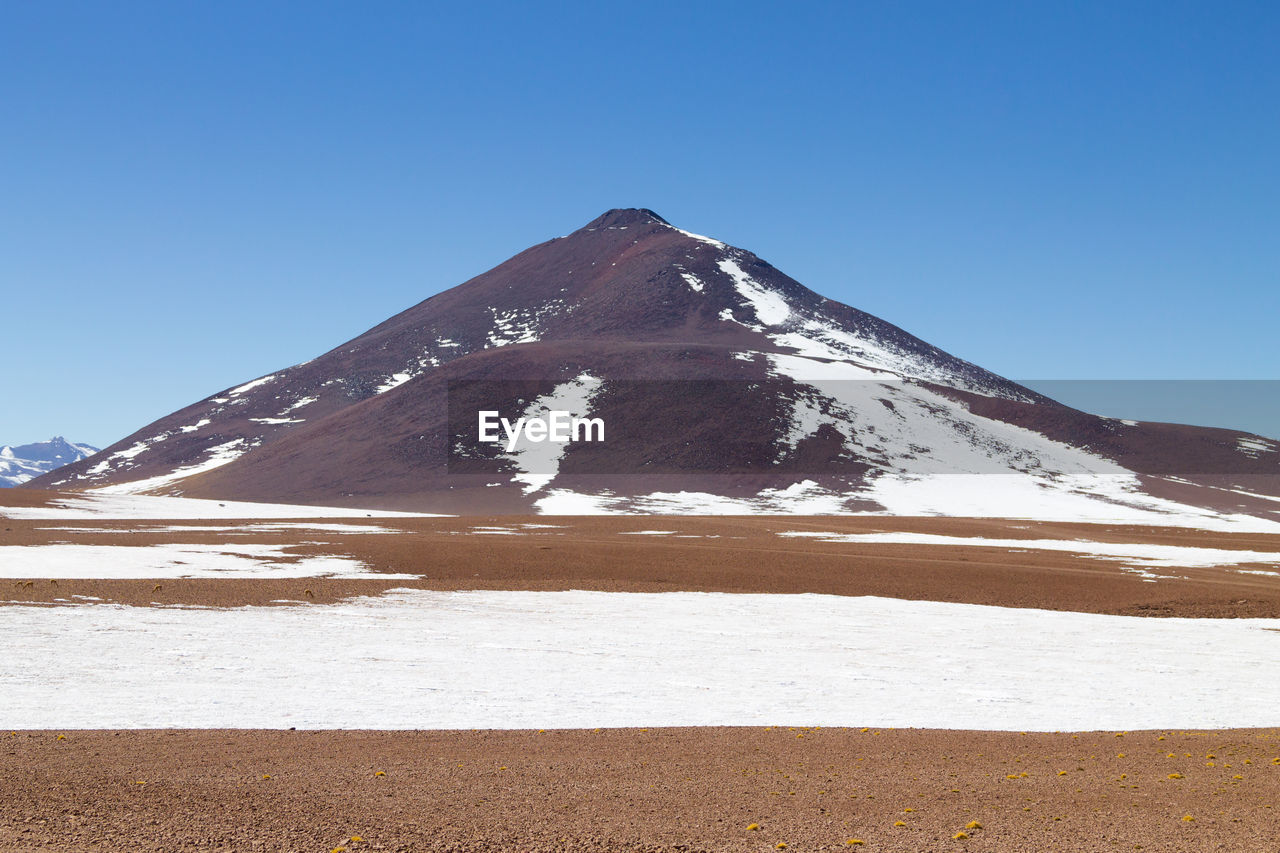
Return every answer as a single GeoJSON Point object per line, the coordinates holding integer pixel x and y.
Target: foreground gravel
{"type": "Point", "coordinates": [715, 789]}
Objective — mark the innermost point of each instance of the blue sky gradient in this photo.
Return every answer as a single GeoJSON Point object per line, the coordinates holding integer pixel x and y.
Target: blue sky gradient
{"type": "Point", "coordinates": [198, 194]}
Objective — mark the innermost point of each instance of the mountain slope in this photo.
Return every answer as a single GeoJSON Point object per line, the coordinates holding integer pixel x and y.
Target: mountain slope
{"type": "Point", "coordinates": [725, 385]}
{"type": "Point", "coordinates": [28, 461]}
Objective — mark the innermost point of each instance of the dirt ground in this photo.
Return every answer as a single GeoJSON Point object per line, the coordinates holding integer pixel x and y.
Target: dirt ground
{"type": "Point", "coordinates": [715, 789]}
{"type": "Point", "coordinates": [721, 554]}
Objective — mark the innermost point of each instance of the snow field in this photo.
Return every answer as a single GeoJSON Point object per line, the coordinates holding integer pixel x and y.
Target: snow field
{"type": "Point", "coordinates": [420, 659]}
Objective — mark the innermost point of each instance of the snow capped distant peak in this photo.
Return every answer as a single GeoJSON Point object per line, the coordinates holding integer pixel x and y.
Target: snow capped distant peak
{"type": "Point", "coordinates": [28, 461]}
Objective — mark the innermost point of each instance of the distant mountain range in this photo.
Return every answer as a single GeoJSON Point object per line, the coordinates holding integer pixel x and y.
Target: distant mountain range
{"type": "Point", "coordinates": [27, 461]}
{"type": "Point", "coordinates": [726, 387]}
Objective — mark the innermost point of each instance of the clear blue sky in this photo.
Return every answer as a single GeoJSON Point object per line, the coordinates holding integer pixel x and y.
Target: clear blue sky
{"type": "Point", "coordinates": [194, 194]}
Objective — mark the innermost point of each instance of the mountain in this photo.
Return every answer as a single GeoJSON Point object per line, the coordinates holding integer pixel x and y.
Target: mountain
{"type": "Point", "coordinates": [724, 386]}
{"type": "Point", "coordinates": [28, 461]}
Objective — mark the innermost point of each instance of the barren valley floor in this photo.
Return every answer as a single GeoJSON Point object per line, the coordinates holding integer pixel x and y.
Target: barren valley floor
{"type": "Point", "coordinates": [708, 787]}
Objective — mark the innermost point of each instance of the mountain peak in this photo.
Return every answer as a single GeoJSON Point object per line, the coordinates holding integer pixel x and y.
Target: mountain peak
{"type": "Point", "coordinates": [620, 217]}
{"type": "Point", "coordinates": [27, 461]}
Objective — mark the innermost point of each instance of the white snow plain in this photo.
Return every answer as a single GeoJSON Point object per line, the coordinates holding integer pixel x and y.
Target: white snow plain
{"type": "Point", "coordinates": [417, 659]}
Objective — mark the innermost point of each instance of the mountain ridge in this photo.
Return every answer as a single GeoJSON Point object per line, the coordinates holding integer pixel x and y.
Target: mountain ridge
{"type": "Point", "coordinates": [24, 462]}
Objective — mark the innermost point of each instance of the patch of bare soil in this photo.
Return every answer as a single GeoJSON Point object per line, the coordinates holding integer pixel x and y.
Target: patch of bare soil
{"type": "Point", "coordinates": [718, 554]}
{"type": "Point", "coordinates": [715, 789]}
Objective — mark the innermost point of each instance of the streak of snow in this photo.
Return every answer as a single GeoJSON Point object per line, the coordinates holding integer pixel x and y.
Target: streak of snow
{"type": "Point", "coordinates": [246, 529]}
{"type": "Point", "coordinates": [395, 380]}
{"type": "Point", "coordinates": [217, 456]}
{"type": "Point", "coordinates": [224, 560]}
{"type": "Point", "coordinates": [539, 462]}
{"type": "Point", "coordinates": [249, 386]}
{"type": "Point", "coordinates": [769, 307]}
{"type": "Point", "coordinates": [1134, 554]}
{"type": "Point", "coordinates": [95, 505]}
{"type": "Point", "coordinates": [1103, 498]}
{"type": "Point", "coordinates": [701, 239]}
{"type": "Point", "coordinates": [1255, 447]}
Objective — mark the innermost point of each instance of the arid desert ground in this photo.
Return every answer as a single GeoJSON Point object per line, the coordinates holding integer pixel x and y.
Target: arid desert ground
{"type": "Point", "coordinates": [215, 680]}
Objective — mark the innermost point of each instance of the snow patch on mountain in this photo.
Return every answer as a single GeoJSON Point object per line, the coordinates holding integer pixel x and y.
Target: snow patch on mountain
{"type": "Point", "coordinates": [395, 380]}
{"type": "Point", "coordinates": [298, 404]}
{"type": "Point", "coordinates": [1255, 447]}
{"type": "Point", "coordinates": [769, 307]}
{"type": "Point", "coordinates": [909, 429]}
{"type": "Point", "coordinates": [700, 238]}
{"type": "Point", "coordinates": [538, 463]}
{"type": "Point", "coordinates": [216, 457]}
{"type": "Point", "coordinates": [515, 326]}
{"type": "Point", "coordinates": [249, 386]}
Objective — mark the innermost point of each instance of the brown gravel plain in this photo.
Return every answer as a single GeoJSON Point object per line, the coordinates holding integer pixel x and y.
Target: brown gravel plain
{"type": "Point", "coordinates": [640, 790]}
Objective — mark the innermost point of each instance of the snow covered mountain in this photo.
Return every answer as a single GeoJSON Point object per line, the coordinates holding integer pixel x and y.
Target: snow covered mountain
{"type": "Point", "coordinates": [28, 461]}
{"type": "Point", "coordinates": [725, 385]}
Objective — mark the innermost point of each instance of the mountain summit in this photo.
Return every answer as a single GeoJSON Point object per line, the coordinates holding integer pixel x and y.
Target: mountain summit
{"type": "Point", "coordinates": [723, 385]}
{"type": "Point", "coordinates": [28, 461]}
